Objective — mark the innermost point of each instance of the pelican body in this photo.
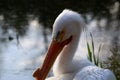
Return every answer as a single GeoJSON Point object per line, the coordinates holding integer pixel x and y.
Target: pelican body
{"type": "Point", "coordinates": [67, 29]}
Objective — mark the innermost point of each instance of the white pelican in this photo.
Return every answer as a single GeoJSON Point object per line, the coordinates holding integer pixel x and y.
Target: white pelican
{"type": "Point", "coordinates": [65, 38]}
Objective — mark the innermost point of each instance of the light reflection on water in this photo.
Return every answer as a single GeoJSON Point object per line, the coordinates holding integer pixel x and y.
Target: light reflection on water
{"type": "Point", "coordinates": [19, 61]}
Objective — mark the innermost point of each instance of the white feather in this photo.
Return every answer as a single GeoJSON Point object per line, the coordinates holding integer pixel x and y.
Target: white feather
{"type": "Point", "coordinates": [65, 67]}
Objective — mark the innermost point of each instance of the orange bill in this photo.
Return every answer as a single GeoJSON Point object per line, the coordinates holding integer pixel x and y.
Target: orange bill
{"type": "Point", "coordinates": [52, 53]}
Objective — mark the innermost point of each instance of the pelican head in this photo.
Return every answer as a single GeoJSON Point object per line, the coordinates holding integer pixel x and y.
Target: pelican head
{"type": "Point", "coordinates": [66, 27]}
{"type": "Point", "coordinates": [67, 24]}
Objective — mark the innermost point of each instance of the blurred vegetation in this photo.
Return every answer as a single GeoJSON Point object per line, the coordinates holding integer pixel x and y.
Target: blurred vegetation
{"type": "Point", "coordinates": [113, 62]}
{"type": "Point", "coordinates": [16, 12]}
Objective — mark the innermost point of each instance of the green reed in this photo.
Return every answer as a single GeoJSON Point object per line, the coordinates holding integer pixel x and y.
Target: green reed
{"type": "Point", "coordinates": [91, 52]}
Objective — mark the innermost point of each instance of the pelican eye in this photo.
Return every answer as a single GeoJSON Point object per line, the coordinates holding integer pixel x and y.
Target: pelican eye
{"type": "Point", "coordinates": [59, 36]}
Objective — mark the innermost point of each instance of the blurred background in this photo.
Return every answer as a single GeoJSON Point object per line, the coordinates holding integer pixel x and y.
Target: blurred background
{"type": "Point", "coordinates": [26, 28]}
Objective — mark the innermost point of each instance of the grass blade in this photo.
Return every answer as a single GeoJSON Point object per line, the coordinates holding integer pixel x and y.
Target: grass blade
{"type": "Point", "coordinates": [92, 43]}
{"type": "Point", "coordinates": [89, 52]}
{"type": "Point", "coordinates": [98, 61]}
{"type": "Point", "coordinates": [94, 57]}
